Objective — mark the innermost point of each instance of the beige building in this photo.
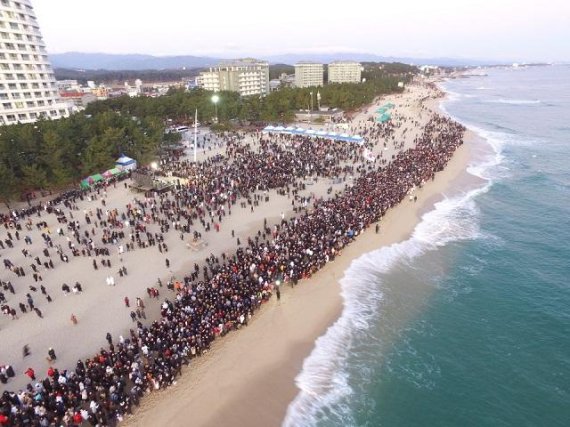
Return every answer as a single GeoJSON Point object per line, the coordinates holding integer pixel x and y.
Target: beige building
{"type": "Point", "coordinates": [28, 90]}
{"type": "Point", "coordinates": [246, 76]}
{"type": "Point", "coordinates": [345, 72]}
{"type": "Point", "coordinates": [308, 74]}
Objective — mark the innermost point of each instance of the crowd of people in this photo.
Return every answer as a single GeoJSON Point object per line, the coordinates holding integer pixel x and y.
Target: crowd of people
{"type": "Point", "coordinates": [226, 292]}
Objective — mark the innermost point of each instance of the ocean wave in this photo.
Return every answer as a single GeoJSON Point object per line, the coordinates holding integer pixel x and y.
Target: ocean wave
{"type": "Point", "coordinates": [515, 101]}
{"type": "Point", "coordinates": [324, 384]}
{"type": "Point", "coordinates": [456, 96]}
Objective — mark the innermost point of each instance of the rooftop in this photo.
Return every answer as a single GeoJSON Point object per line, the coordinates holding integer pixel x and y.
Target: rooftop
{"type": "Point", "coordinates": [344, 62]}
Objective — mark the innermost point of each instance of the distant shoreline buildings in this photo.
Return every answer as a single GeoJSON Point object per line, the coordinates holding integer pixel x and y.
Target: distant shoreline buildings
{"type": "Point", "coordinates": [251, 76]}
{"type": "Point", "coordinates": [28, 88]}
{"type": "Point", "coordinates": [245, 76]}
{"type": "Point", "coordinates": [345, 72]}
{"type": "Point", "coordinates": [309, 74]}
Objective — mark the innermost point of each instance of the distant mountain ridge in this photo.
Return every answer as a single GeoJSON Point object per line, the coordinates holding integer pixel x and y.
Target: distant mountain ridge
{"type": "Point", "coordinates": [107, 61]}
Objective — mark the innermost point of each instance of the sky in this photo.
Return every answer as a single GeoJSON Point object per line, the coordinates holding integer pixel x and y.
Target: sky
{"type": "Point", "coordinates": [512, 30]}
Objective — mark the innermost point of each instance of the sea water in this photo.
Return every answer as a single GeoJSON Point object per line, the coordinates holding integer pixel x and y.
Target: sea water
{"type": "Point", "coordinates": [467, 323]}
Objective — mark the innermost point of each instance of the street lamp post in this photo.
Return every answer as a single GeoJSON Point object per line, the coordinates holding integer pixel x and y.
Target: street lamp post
{"type": "Point", "coordinates": [215, 100]}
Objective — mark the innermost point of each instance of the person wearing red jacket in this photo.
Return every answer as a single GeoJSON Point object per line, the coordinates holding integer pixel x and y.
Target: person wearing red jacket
{"type": "Point", "coordinates": [30, 373]}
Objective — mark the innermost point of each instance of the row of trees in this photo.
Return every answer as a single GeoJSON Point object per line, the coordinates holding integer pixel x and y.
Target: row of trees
{"type": "Point", "coordinates": [179, 105]}
{"type": "Point", "coordinates": [56, 154]}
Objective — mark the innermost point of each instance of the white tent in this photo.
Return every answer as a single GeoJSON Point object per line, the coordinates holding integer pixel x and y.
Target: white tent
{"type": "Point", "coordinates": [125, 163]}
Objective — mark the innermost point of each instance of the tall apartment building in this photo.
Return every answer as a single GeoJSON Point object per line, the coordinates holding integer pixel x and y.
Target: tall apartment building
{"type": "Point", "coordinates": [308, 74]}
{"type": "Point", "coordinates": [345, 72]}
{"type": "Point", "coordinates": [28, 89]}
{"type": "Point", "coordinates": [246, 76]}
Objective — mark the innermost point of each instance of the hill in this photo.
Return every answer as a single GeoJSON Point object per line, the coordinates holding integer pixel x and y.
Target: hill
{"type": "Point", "coordinates": [105, 61]}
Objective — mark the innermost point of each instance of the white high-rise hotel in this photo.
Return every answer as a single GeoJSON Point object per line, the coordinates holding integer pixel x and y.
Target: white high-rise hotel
{"type": "Point", "coordinates": [27, 84]}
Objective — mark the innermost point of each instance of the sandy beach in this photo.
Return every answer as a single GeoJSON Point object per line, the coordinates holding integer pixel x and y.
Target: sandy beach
{"type": "Point", "coordinates": [248, 379]}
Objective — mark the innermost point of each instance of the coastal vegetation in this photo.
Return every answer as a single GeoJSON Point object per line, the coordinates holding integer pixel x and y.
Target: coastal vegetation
{"type": "Point", "coordinates": [53, 155]}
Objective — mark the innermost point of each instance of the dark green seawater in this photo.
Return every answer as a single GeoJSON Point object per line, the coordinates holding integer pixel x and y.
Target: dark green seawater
{"type": "Point", "coordinates": [468, 322]}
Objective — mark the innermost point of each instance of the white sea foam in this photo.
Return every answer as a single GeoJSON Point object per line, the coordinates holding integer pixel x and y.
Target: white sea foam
{"type": "Point", "coordinates": [455, 96]}
{"type": "Point", "coordinates": [324, 379]}
{"type": "Point", "coordinates": [515, 101]}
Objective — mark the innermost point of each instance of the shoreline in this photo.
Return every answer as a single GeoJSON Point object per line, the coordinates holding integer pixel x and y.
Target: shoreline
{"type": "Point", "coordinates": [258, 386]}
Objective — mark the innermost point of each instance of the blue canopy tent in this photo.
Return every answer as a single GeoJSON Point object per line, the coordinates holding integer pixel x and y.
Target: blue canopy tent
{"type": "Point", "coordinates": [289, 129]}
{"type": "Point", "coordinates": [312, 133]}
{"type": "Point", "coordinates": [358, 139]}
{"type": "Point", "coordinates": [125, 163]}
{"type": "Point", "coordinates": [384, 118]}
